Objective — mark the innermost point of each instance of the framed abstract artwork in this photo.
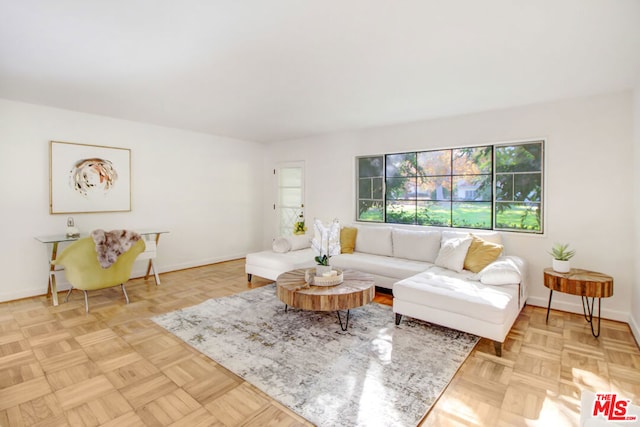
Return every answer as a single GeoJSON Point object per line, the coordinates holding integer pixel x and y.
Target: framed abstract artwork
{"type": "Point", "coordinates": [88, 178]}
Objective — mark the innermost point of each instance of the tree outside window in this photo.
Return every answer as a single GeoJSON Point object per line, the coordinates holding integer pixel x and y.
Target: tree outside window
{"type": "Point", "coordinates": [518, 186]}
{"type": "Point", "coordinates": [370, 188]}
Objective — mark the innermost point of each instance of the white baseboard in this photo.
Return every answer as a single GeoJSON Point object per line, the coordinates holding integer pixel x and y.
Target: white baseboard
{"type": "Point", "coordinates": [635, 329]}
{"type": "Point", "coordinates": [139, 270]}
{"type": "Point", "coordinates": [27, 293]}
{"type": "Point", "coordinates": [620, 316]}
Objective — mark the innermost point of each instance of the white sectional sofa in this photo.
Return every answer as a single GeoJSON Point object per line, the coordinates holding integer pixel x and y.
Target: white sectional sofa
{"type": "Point", "coordinates": [423, 268]}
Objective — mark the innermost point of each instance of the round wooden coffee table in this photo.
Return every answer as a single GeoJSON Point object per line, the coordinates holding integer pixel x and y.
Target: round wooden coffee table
{"type": "Point", "coordinates": [356, 290]}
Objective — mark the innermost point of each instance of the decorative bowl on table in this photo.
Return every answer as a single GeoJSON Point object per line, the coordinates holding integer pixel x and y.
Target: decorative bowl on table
{"type": "Point", "coordinates": [332, 278]}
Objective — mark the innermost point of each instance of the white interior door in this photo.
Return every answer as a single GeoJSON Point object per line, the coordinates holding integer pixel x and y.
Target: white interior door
{"type": "Point", "coordinates": [290, 179]}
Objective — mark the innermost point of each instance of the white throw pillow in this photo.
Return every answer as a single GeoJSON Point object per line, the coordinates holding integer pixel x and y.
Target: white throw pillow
{"type": "Point", "coordinates": [504, 271]}
{"type": "Point", "coordinates": [298, 242]}
{"type": "Point", "coordinates": [281, 245]}
{"type": "Point", "coordinates": [416, 245]}
{"type": "Point", "coordinates": [374, 240]}
{"type": "Point", "coordinates": [453, 252]}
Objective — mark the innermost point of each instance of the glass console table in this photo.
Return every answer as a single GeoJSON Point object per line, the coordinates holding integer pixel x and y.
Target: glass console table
{"type": "Point", "coordinates": [151, 238]}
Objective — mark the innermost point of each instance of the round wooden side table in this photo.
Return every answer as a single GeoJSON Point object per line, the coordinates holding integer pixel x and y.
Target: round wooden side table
{"type": "Point", "coordinates": [587, 284]}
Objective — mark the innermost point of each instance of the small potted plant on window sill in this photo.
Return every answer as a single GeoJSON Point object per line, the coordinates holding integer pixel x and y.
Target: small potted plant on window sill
{"type": "Point", "coordinates": [561, 255]}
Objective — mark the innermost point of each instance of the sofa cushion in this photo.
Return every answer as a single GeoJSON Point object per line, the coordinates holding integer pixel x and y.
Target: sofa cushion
{"type": "Point", "coordinates": [489, 236]}
{"type": "Point", "coordinates": [374, 240]}
{"type": "Point", "coordinates": [348, 239]}
{"type": "Point", "coordinates": [453, 252]}
{"type": "Point", "coordinates": [281, 245]}
{"type": "Point", "coordinates": [440, 288]}
{"type": "Point", "coordinates": [282, 261]}
{"type": "Point", "coordinates": [416, 245]}
{"type": "Point", "coordinates": [291, 243]}
{"type": "Point", "coordinates": [481, 253]}
{"type": "Point", "coordinates": [299, 241]}
{"type": "Point", "coordinates": [379, 265]}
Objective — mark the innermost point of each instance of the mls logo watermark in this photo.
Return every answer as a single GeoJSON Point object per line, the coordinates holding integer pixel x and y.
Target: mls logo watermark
{"type": "Point", "coordinates": [603, 409]}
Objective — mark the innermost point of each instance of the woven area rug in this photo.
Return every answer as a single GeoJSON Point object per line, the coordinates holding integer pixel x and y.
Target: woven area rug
{"type": "Point", "coordinates": [375, 373]}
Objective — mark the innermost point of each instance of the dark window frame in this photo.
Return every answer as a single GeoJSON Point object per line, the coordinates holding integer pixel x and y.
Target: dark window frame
{"type": "Point", "coordinates": [532, 210]}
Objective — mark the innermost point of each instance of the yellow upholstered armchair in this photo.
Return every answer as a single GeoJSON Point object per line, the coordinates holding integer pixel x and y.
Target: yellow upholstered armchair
{"type": "Point", "coordinates": [83, 271]}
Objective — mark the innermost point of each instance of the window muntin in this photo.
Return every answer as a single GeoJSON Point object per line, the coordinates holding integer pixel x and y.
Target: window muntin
{"type": "Point", "coordinates": [455, 187]}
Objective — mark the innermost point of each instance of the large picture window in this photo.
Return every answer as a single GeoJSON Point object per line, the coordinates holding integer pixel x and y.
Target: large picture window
{"type": "Point", "coordinates": [487, 187]}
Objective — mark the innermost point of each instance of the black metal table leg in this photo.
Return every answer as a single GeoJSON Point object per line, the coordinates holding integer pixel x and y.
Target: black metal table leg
{"type": "Point", "coordinates": [588, 313]}
{"type": "Point", "coordinates": [346, 324]}
{"type": "Point", "coordinates": [549, 306]}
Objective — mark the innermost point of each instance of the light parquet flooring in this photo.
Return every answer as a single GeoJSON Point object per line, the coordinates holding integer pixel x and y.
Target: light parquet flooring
{"type": "Point", "coordinates": [115, 367]}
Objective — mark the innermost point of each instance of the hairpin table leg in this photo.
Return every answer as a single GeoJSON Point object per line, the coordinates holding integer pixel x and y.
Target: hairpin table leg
{"type": "Point", "coordinates": [588, 313]}
{"type": "Point", "coordinates": [346, 323]}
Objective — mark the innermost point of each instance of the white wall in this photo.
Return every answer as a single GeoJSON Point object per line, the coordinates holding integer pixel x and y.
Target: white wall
{"type": "Point", "coordinates": [635, 303]}
{"type": "Point", "coordinates": [206, 190]}
{"type": "Point", "coordinates": [589, 173]}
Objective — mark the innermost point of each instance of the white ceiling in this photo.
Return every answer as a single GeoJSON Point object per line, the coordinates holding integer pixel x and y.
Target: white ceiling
{"type": "Point", "coordinates": [268, 70]}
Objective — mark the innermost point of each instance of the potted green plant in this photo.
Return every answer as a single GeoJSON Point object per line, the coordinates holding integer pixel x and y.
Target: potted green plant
{"type": "Point", "coordinates": [561, 255]}
{"type": "Point", "coordinates": [323, 264]}
{"type": "Point", "coordinates": [299, 226]}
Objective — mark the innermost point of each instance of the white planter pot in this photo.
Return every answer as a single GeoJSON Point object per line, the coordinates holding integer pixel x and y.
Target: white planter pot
{"type": "Point", "coordinates": [321, 269]}
{"type": "Point", "coordinates": [561, 266]}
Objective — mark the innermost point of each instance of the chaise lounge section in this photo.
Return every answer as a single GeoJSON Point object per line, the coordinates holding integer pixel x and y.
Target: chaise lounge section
{"type": "Point", "coordinates": [444, 298]}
